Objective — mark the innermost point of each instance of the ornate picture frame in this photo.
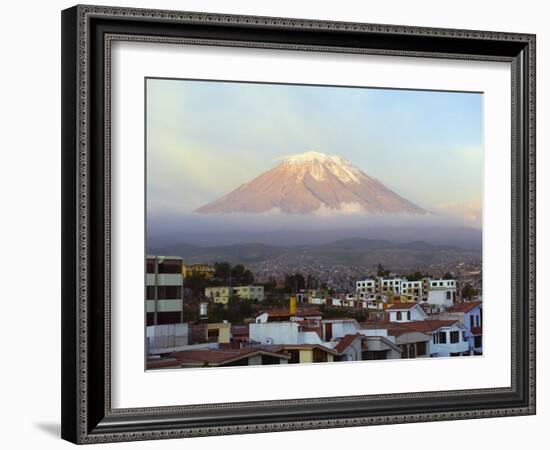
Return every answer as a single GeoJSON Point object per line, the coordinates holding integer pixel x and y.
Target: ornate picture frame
{"type": "Point", "coordinates": [88, 33]}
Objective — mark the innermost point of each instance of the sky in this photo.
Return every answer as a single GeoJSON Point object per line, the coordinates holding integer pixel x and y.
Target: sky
{"type": "Point", "coordinates": [206, 138]}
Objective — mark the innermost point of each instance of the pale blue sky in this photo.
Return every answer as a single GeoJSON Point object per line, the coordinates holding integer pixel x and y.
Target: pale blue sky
{"type": "Point", "coordinates": [205, 139]}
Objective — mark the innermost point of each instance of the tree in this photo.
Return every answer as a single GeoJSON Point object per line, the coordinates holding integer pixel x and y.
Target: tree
{"type": "Point", "coordinates": [468, 291]}
{"type": "Point", "coordinates": [416, 276]}
{"type": "Point", "coordinates": [270, 285]}
{"type": "Point", "coordinates": [448, 276]}
{"type": "Point", "coordinates": [196, 283]}
{"type": "Point", "coordinates": [222, 270]}
{"type": "Point", "coordinates": [237, 272]}
{"type": "Point", "coordinates": [247, 278]}
{"type": "Point", "coordinates": [294, 282]}
{"type": "Point", "coordinates": [382, 271]}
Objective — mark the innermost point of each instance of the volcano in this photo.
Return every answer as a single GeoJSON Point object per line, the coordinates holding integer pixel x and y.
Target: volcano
{"type": "Point", "coordinates": [311, 182]}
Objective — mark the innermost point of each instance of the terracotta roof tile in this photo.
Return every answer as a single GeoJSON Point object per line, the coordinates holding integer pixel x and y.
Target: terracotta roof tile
{"type": "Point", "coordinates": [164, 363]}
{"type": "Point", "coordinates": [222, 356]}
{"type": "Point", "coordinates": [346, 341]}
{"type": "Point", "coordinates": [420, 326]}
{"type": "Point", "coordinates": [464, 307]}
{"type": "Point", "coordinates": [403, 306]}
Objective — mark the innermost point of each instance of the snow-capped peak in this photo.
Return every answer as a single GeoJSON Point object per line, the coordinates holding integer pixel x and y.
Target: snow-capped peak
{"type": "Point", "coordinates": [316, 163]}
{"type": "Point", "coordinates": [306, 157]}
{"type": "Point", "coordinates": [312, 183]}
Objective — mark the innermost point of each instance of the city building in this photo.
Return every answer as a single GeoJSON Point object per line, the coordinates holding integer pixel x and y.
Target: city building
{"type": "Point", "coordinates": [164, 290]}
{"type": "Point", "coordinates": [380, 347]}
{"type": "Point", "coordinates": [438, 292]}
{"type": "Point", "coordinates": [350, 348]}
{"type": "Point", "coordinates": [282, 333]}
{"type": "Point", "coordinates": [470, 314]}
{"type": "Point", "coordinates": [202, 270]}
{"type": "Point", "coordinates": [442, 292]}
{"type": "Point", "coordinates": [310, 353]}
{"type": "Point", "coordinates": [338, 328]}
{"type": "Point", "coordinates": [167, 338]}
{"type": "Point", "coordinates": [447, 337]}
{"type": "Point", "coordinates": [219, 332]}
{"type": "Point", "coordinates": [405, 312]}
{"type": "Point", "coordinates": [221, 294]}
{"type": "Point", "coordinates": [248, 356]}
{"type": "Point", "coordinates": [293, 314]}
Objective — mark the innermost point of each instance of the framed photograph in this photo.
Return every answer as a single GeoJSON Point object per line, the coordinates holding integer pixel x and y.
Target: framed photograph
{"type": "Point", "coordinates": [279, 224]}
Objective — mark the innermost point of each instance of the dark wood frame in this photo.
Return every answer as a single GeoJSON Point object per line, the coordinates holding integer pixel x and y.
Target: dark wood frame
{"type": "Point", "coordinates": [87, 416]}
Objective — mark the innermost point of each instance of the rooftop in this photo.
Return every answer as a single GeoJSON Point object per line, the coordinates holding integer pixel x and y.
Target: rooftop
{"type": "Point", "coordinates": [420, 326]}
{"type": "Point", "coordinates": [225, 356]}
{"type": "Point", "coordinates": [346, 341]}
{"type": "Point", "coordinates": [402, 306]}
{"type": "Point", "coordinates": [464, 307]}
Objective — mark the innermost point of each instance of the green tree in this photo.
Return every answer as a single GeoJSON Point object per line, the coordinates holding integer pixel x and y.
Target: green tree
{"type": "Point", "coordinates": [196, 283]}
{"type": "Point", "coordinates": [294, 282]}
{"type": "Point", "coordinates": [237, 272]}
{"type": "Point", "coordinates": [248, 277]}
{"type": "Point", "coordinates": [222, 270]}
{"type": "Point", "coordinates": [382, 271]}
{"type": "Point", "coordinates": [270, 285]}
{"type": "Point", "coordinates": [416, 276]}
{"type": "Point", "coordinates": [468, 291]}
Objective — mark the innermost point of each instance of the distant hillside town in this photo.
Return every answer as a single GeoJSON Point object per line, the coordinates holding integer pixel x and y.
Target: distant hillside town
{"type": "Point", "coordinates": [219, 315]}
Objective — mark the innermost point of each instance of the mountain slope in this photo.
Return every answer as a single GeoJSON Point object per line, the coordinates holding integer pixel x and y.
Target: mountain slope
{"type": "Point", "coordinates": [308, 183]}
{"type": "Point", "coordinates": [352, 252]}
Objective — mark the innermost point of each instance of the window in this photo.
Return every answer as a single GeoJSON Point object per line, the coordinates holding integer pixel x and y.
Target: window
{"type": "Point", "coordinates": [399, 317]}
{"type": "Point", "coordinates": [442, 337]}
{"type": "Point", "coordinates": [471, 321]}
{"type": "Point", "coordinates": [455, 337]}
{"type": "Point", "coordinates": [164, 292]}
{"type": "Point", "coordinates": [477, 321]}
{"type": "Point", "coordinates": [408, 315]}
{"type": "Point", "coordinates": [477, 341]}
{"type": "Point", "coordinates": [294, 356]}
{"type": "Point", "coordinates": [169, 266]}
{"type": "Point", "coordinates": [448, 295]}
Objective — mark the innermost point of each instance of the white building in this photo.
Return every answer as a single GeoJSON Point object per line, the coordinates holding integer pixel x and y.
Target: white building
{"type": "Point", "coordinates": [164, 289]}
{"type": "Point", "coordinates": [282, 333]}
{"type": "Point", "coordinates": [469, 314]}
{"type": "Point", "coordinates": [450, 340]}
{"type": "Point", "coordinates": [438, 292]}
{"type": "Point", "coordinates": [406, 312]}
{"type": "Point", "coordinates": [442, 292]}
{"type": "Point", "coordinates": [338, 328]}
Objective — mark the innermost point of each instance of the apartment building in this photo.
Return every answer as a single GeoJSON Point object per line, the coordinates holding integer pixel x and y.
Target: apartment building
{"type": "Point", "coordinates": [221, 294]}
{"type": "Point", "coordinates": [164, 290]}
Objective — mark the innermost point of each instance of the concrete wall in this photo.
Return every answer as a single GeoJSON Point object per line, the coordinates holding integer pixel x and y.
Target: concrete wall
{"type": "Point", "coordinates": [445, 349]}
{"type": "Point", "coordinates": [164, 305]}
{"type": "Point", "coordinates": [341, 328]}
{"type": "Point", "coordinates": [274, 332]}
{"type": "Point", "coordinates": [353, 352]}
{"type": "Point", "coordinates": [306, 356]}
{"type": "Point", "coordinates": [164, 279]}
{"type": "Point", "coordinates": [439, 297]}
{"type": "Point", "coordinates": [166, 337]}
